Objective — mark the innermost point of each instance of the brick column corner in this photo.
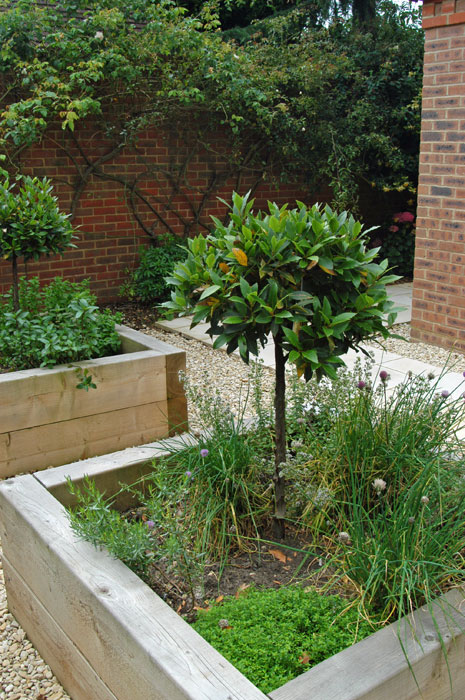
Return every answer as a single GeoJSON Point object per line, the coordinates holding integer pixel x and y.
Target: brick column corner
{"type": "Point", "coordinates": [438, 309]}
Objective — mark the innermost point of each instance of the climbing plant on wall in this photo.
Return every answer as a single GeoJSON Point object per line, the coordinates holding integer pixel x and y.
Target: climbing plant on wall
{"type": "Point", "coordinates": [321, 104]}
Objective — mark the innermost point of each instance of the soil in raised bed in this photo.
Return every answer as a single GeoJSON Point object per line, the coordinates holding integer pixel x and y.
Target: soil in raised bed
{"type": "Point", "coordinates": [266, 564]}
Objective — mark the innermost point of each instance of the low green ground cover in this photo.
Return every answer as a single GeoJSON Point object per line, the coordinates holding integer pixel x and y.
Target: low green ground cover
{"type": "Point", "coordinates": [272, 636]}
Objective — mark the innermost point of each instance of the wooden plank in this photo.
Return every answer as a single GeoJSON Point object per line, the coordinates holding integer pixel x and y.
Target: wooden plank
{"type": "Point", "coordinates": [175, 363]}
{"type": "Point", "coordinates": [110, 470]}
{"type": "Point", "coordinates": [59, 443]}
{"type": "Point", "coordinates": [137, 645]}
{"type": "Point", "coordinates": [131, 336]}
{"type": "Point", "coordinates": [177, 415]}
{"type": "Point", "coordinates": [177, 402]}
{"type": "Point", "coordinates": [52, 397]}
{"type": "Point", "coordinates": [131, 340]}
{"type": "Point", "coordinates": [377, 669]}
{"type": "Point", "coordinates": [108, 368]}
{"type": "Point", "coordinates": [70, 667]}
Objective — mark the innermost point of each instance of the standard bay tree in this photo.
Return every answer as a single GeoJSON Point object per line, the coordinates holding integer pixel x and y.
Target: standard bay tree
{"type": "Point", "coordinates": [303, 276]}
{"type": "Point", "coordinates": [31, 224]}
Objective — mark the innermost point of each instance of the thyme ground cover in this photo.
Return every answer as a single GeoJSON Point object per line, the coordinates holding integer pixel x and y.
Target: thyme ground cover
{"type": "Point", "coordinates": [272, 636]}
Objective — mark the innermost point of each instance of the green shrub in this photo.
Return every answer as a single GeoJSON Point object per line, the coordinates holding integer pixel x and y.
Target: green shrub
{"type": "Point", "coordinates": [385, 469]}
{"type": "Point", "coordinates": [147, 282]}
{"type": "Point", "coordinates": [399, 466]}
{"type": "Point", "coordinates": [56, 324]}
{"type": "Point", "coordinates": [272, 636]}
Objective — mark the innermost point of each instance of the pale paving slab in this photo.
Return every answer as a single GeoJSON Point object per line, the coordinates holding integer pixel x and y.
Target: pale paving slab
{"type": "Point", "coordinates": [452, 382]}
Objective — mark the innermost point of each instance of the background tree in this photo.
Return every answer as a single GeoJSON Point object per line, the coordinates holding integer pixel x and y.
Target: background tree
{"type": "Point", "coordinates": [301, 99]}
{"type": "Point", "coordinates": [304, 276]}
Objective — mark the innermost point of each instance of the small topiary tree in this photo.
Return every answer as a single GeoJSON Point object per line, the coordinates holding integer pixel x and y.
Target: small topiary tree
{"type": "Point", "coordinates": [303, 276]}
{"type": "Point", "coordinates": [31, 224]}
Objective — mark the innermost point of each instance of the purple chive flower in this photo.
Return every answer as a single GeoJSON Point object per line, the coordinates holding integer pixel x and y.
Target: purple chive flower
{"type": "Point", "coordinates": [463, 374]}
{"type": "Point", "coordinates": [361, 384]}
{"type": "Point", "coordinates": [188, 474]}
{"type": "Point", "coordinates": [383, 375]}
{"type": "Point", "coordinates": [204, 452]}
{"type": "Point", "coordinates": [463, 395]}
{"type": "Point", "coordinates": [444, 394]}
{"type": "Point", "coordinates": [150, 524]}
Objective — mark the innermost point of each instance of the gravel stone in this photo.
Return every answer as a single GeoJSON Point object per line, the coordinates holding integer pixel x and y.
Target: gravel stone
{"type": "Point", "coordinates": [23, 674]}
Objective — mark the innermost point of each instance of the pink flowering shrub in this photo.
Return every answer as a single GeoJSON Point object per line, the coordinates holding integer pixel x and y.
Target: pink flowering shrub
{"type": "Point", "coordinates": [398, 242]}
{"type": "Point", "coordinates": [404, 217]}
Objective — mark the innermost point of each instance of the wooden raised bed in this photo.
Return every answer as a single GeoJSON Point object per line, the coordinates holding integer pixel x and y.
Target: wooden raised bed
{"type": "Point", "coordinates": [45, 421]}
{"type": "Point", "coordinates": [108, 636]}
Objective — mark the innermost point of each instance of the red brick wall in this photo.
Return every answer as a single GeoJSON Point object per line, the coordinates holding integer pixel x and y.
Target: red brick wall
{"type": "Point", "coordinates": [438, 312]}
{"type": "Point", "coordinates": [109, 233]}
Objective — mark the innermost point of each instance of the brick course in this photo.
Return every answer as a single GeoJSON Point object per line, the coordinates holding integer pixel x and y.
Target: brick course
{"type": "Point", "coordinates": [438, 315]}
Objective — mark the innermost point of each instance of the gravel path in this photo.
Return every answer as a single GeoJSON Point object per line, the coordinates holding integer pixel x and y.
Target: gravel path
{"type": "Point", "coordinates": [24, 674]}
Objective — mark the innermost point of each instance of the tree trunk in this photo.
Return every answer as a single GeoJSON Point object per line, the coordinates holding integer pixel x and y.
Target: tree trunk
{"type": "Point", "coordinates": [364, 14]}
{"type": "Point", "coordinates": [280, 439]}
{"type": "Point", "coordinates": [14, 264]}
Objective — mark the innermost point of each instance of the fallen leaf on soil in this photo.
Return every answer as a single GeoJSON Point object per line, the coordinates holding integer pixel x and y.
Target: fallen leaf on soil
{"type": "Point", "coordinates": [304, 659]}
{"type": "Point", "coordinates": [220, 598]}
{"type": "Point", "coordinates": [242, 588]}
{"type": "Point", "coordinates": [277, 582]}
{"type": "Point", "coordinates": [277, 554]}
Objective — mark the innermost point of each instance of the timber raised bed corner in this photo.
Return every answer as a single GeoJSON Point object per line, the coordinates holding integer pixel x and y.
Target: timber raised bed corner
{"type": "Point", "coordinates": [108, 636]}
{"type": "Point", "coordinates": [46, 421]}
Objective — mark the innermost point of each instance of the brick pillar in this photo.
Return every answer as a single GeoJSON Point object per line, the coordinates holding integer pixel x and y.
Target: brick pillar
{"type": "Point", "coordinates": [438, 312]}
